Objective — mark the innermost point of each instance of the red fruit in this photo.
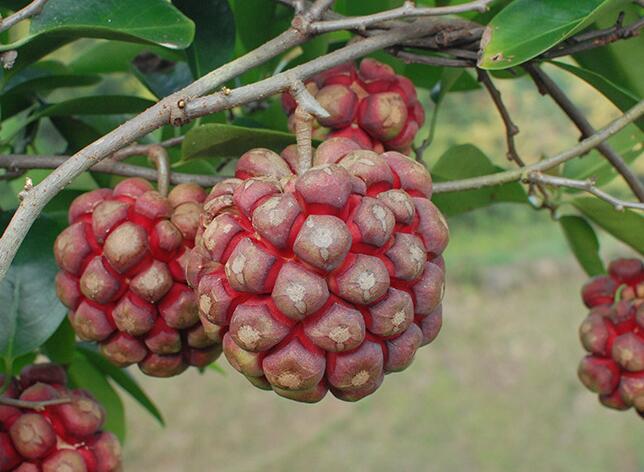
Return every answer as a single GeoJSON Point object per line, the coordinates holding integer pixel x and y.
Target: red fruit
{"type": "Point", "coordinates": [123, 262]}
{"type": "Point", "coordinates": [326, 280]}
{"type": "Point", "coordinates": [613, 333]}
{"type": "Point", "coordinates": [372, 106]}
{"type": "Point", "coordinates": [59, 437]}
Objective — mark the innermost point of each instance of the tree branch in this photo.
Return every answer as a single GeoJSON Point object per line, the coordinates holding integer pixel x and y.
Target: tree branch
{"type": "Point", "coordinates": [158, 156]}
{"type": "Point", "coordinates": [23, 162]}
{"type": "Point", "coordinates": [407, 10]}
{"type": "Point", "coordinates": [587, 185]}
{"type": "Point", "coordinates": [548, 86]}
{"type": "Point", "coordinates": [30, 10]}
{"type": "Point", "coordinates": [436, 61]}
{"type": "Point", "coordinates": [38, 406]}
{"type": "Point", "coordinates": [518, 174]}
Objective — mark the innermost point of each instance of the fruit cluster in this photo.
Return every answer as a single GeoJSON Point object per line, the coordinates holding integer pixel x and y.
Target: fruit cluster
{"type": "Point", "coordinates": [122, 276]}
{"type": "Point", "coordinates": [323, 281]}
{"type": "Point", "coordinates": [64, 437]}
{"type": "Point", "coordinates": [613, 334]}
{"type": "Point", "coordinates": [372, 106]}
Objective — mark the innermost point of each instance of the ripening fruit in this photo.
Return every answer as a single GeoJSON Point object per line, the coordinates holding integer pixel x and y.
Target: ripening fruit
{"type": "Point", "coordinates": [613, 334]}
{"type": "Point", "coordinates": [323, 281]}
{"type": "Point", "coordinates": [64, 437]}
{"type": "Point", "coordinates": [122, 262]}
{"type": "Point", "coordinates": [372, 106]}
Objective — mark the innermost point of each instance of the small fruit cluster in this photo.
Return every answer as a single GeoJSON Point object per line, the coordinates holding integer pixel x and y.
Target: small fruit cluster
{"type": "Point", "coordinates": [613, 334]}
{"type": "Point", "coordinates": [60, 437]}
{"type": "Point", "coordinates": [122, 276]}
{"type": "Point", "coordinates": [372, 106]}
{"type": "Point", "coordinates": [326, 280]}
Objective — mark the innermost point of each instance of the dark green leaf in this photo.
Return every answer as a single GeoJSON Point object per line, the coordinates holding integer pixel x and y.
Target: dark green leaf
{"type": "Point", "coordinates": [222, 141]}
{"type": "Point", "coordinates": [163, 82]}
{"type": "Point", "coordinates": [143, 21]}
{"type": "Point", "coordinates": [30, 310]}
{"type": "Point", "coordinates": [83, 374]}
{"type": "Point", "coordinates": [124, 379]}
{"type": "Point", "coordinates": [622, 98]}
{"type": "Point", "coordinates": [251, 17]}
{"type": "Point", "coordinates": [584, 243]}
{"type": "Point", "coordinates": [465, 161]}
{"type": "Point", "coordinates": [60, 347]}
{"type": "Point", "coordinates": [627, 225]}
{"type": "Point", "coordinates": [214, 41]}
{"type": "Point", "coordinates": [526, 28]}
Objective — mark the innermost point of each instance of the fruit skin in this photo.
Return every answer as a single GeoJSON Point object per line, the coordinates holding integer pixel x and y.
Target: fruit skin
{"type": "Point", "coordinates": [613, 335]}
{"type": "Point", "coordinates": [122, 276]}
{"type": "Point", "coordinates": [324, 281]}
{"type": "Point", "coordinates": [370, 105]}
{"type": "Point", "coordinates": [56, 436]}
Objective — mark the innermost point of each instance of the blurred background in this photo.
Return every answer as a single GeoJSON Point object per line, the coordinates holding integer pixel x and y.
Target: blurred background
{"type": "Point", "coordinates": [497, 390]}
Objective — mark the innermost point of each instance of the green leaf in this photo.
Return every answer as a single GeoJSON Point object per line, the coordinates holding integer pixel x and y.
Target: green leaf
{"type": "Point", "coordinates": [627, 143]}
{"type": "Point", "coordinates": [124, 379]}
{"type": "Point", "coordinates": [526, 28]}
{"type": "Point", "coordinates": [31, 311]}
{"type": "Point", "coordinates": [583, 242]}
{"type": "Point", "coordinates": [83, 374]}
{"type": "Point", "coordinates": [142, 21]}
{"type": "Point", "coordinates": [465, 161]}
{"type": "Point", "coordinates": [627, 225]}
{"type": "Point", "coordinates": [165, 81]}
{"type": "Point", "coordinates": [250, 15]}
{"type": "Point", "coordinates": [217, 140]}
{"type": "Point", "coordinates": [217, 368]}
{"type": "Point", "coordinates": [622, 98]}
{"type": "Point", "coordinates": [214, 41]}
{"type": "Point", "coordinates": [96, 105]}
{"type": "Point", "coordinates": [61, 346]}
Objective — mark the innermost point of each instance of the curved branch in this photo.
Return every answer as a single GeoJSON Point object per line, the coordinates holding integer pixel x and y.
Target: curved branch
{"type": "Point", "coordinates": [22, 162]}
{"type": "Point", "coordinates": [519, 174]}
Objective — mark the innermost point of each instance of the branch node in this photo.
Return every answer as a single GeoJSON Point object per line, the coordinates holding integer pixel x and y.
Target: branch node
{"type": "Point", "coordinates": [8, 59]}
{"type": "Point", "coordinates": [306, 101]}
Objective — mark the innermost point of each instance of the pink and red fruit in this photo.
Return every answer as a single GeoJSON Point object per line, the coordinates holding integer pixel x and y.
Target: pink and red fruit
{"type": "Point", "coordinates": [58, 437]}
{"type": "Point", "coordinates": [372, 106]}
{"type": "Point", "coordinates": [122, 262]}
{"type": "Point", "coordinates": [613, 334]}
{"type": "Point", "coordinates": [324, 281]}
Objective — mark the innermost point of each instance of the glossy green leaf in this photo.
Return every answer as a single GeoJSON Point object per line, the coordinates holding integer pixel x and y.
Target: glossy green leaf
{"type": "Point", "coordinates": [627, 143]}
{"type": "Point", "coordinates": [123, 379]}
{"type": "Point", "coordinates": [627, 225]}
{"type": "Point", "coordinates": [165, 81]}
{"type": "Point", "coordinates": [584, 243]}
{"type": "Point", "coordinates": [31, 311]}
{"type": "Point", "coordinates": [62, 21]}
{"type": "Point", "coordinates": [465, 161]}
{"type": "Point", "coordinates": [227, 141]}
{"type": "Point", "coordinates": [61, 346]}
{"type": "Point", "coordinates": [84, 374]}
{"type": "Point", "coordinates": [214, 40]}
{"type": "Point", "coordinates": [622, 98]}
{"type": "Point", "coordinates": [526, 28]}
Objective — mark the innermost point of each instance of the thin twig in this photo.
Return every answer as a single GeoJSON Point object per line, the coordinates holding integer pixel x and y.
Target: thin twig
{"type": "Point", "coordinates": [304, 135]}
{"type": "Point", "coordinates": [547, 85]}
{"type": "Point", "coordinates": [411, 58]}
{"type": "Point", "coordinates": [30, 10]}
{"type": "Point", "coordinates": [407, 10]}
{"type": "Point", "coordinates": [38, 406]}
{"type": "Point", "coordinates": [143, 149]}
{"type": "Point", "coordinates": [158, 156]}
{"type": "Point", "coordinates": [588, 185]}
{"type": "Point", "coordinates": [307, 101]}
{"type": "Point", "coordinates": [108, 166]}
{"type": "Point", "coordinates": [518, 174]}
